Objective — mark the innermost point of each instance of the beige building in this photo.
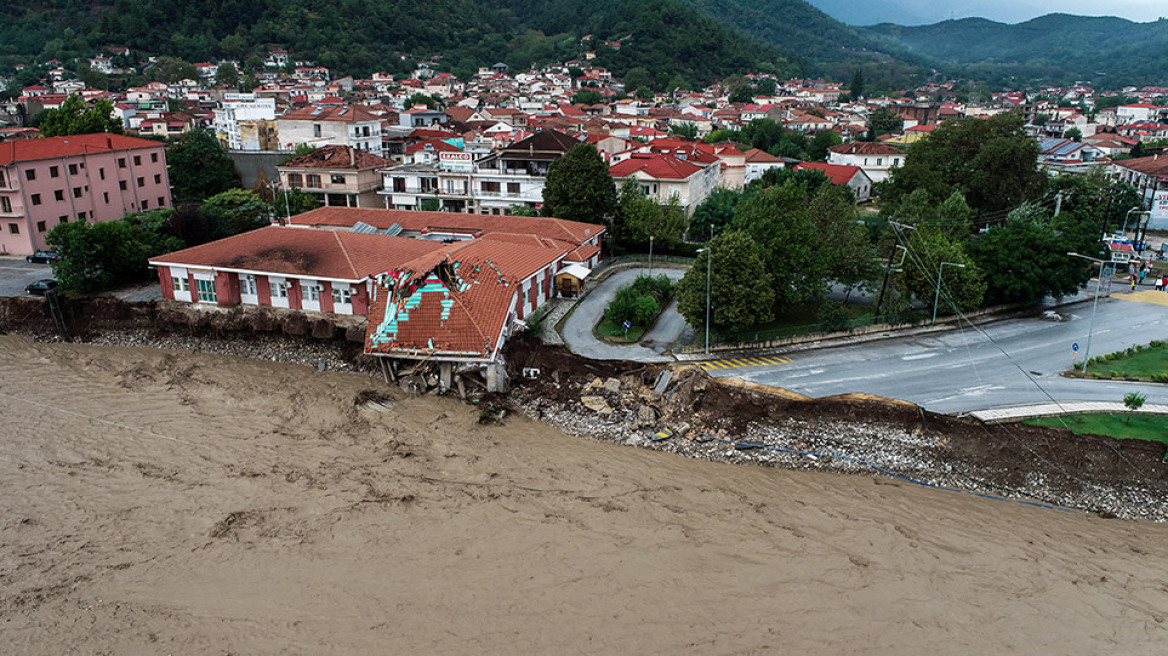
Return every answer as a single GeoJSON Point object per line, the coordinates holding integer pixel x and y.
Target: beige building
{"type": "Point", "coordinates": [341, 176]}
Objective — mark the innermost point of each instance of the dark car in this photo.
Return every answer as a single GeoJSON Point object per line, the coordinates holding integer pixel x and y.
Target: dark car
{"type": "Point", "coordinates": [42, 257]}
{"type": "Point", "coordinates": [39, 287]}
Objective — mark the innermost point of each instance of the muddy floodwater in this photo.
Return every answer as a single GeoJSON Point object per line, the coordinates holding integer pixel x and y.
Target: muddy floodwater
{"type": "Point", "coordinates": [156, 502]}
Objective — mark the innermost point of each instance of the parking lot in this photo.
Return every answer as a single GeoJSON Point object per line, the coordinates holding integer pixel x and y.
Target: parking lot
{"type": "Point", "coordinates": [16, 274]}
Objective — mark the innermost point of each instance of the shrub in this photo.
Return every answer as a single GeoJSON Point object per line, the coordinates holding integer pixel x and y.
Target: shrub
{"type": "Point", "coordinates": [832, 316]}
{"type": "Point", "coordinates": [1078, 366]}
{"type": "Point", "coordinates": [1157, 343]}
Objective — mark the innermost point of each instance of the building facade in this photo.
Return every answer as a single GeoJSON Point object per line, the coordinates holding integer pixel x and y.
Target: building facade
{"type": "Point", "coordinates": [88, 177]}
{"type": "Point", "coordinates": [340, 176]}
{"type": "Point", "coordinates": [318, 126]}
{"type": "Point", "coordinates": [238, 110]}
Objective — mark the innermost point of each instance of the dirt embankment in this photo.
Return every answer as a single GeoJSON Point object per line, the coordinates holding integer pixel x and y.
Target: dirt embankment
{"type": "Point", "coordinates": [732, 421]}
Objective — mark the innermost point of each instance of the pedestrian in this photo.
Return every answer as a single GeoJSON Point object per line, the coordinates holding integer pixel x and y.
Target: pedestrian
{"type": "Point", "coordinates": [1164, 282]}
{"type": "Point", "coordinates": [1132, 278]}
{"type": "Point", "coordinates": [1159, 283]}
{"type": "Point", "coordinates": [1143, 274]}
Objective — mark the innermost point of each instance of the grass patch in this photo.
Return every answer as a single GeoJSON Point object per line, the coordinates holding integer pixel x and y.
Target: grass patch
{"type": "Point", "coordinates": [1152, 428]}
{"type": "Point", "coordinates": [615, 332]}
{"type": "Point", "coordinates": [1144, 363]}
{"type": "Point", "coordinates": [797, 320]}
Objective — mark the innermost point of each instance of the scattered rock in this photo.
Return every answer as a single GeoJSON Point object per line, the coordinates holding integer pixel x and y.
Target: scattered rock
{"type": "Point", "coordinates": [612, 385]}
{"type": "Point", "coordinates": [596, 404]}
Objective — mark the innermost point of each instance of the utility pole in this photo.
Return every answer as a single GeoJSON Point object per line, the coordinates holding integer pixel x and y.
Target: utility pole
{"type": "Point", "coordinates": [896, 227]}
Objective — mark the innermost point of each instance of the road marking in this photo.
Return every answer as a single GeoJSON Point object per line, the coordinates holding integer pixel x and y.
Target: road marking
{"type": "Point", "coordinates": [741, 363]}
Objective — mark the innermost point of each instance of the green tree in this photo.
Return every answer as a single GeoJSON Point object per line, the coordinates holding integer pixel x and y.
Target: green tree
{"type": "Point", "coordinates": [927, 249]}
{"type": "Point", "coordinates": [107, 254]}
{"type": "Point", "coordinates": [777, 219]}
{"type": "Point", "coordinates": [742, 93]}
{"type": "Point", "coordinates": [638, 77]}
{"type": "Point", "coordinates": [73, 117]}
{"type": "Point", "coordinates": [685, 129]}
{"type": "Point", "coordinates": [1133, 401]}
{"type": "Point", "coordinates": [578, 187]}
{"type": "Point", "coordinates": [420, 98]}
{"type": "Point", "coordinates": [820, 143]}
{"type": "Point", "coordinates": [715, 213]}
{"type": "Point", "coordinates": [199, 167]}
{"type": "Point", "coordinates": [639, 217]}
{"type": "Point", "coordinates": [992, 162]}
{"type": "Point", "coordinates": [172, 69]}
{"type": "Point", "coordinates": [741, 293]}
{"type": "Point", "coordinates": [766, 87]}
{"type": "Point", "coordinates": [587, 97]}
{"type": "Point", "coordinates": [522, 210]}
{"type": "Point", "coordinates": [1074, 134]}
{"type": "Point", "coordinates": [884, 120]}
{"type": "Point", "coordinates": [1025, 261]}
{"type": "Point", "coordinates": [226, 75]}
{"type": "Point", "coordinates": [856, 89]}
{"type": "Point", "coordinates": [234, 211]}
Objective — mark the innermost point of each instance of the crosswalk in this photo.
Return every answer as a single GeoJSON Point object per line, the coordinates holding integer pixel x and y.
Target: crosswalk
{"type": "Point", "coordinates": [739, 363]}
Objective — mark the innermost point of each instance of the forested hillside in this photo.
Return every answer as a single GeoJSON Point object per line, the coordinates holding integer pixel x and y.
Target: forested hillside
{"type": "Point", "coordinates": [1057, 48]}
{"type": "Point", "coordinates": [667, 37]}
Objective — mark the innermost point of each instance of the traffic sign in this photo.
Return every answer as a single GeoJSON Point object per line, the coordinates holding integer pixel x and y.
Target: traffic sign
{"type": "Point", "coordinates": [628, 324]}
{"type": "Point", "coordinates": [1075, 347]}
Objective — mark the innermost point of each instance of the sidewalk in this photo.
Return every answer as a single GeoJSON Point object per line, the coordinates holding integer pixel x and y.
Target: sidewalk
{"type": "Point", "coordinates": [1020, 412]}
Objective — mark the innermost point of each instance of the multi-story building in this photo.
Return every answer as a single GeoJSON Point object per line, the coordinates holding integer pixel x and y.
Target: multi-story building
{"type": "Point", "coordinates": [238, 110]}
{"type": "Point", "coordinates": [491, 185]}
{"type": "Point", "coordinates": [351, 125]}
{"type": "Point", "coordinates": [341, 176]}
{"type": "Point", "coordinates": [86, 177]}
{"type": "Point", "coordinates": [664, 177]}
{"type": "Point", "coordinates": [877, 159]}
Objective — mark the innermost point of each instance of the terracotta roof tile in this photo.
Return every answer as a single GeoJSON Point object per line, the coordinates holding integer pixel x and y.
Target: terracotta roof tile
{"type": "Point", "coordinates": [300, 252]}
{"type": "Point", "coordinates": [78, 144]}
{"type": "Point", "coordinates": [337, 157]}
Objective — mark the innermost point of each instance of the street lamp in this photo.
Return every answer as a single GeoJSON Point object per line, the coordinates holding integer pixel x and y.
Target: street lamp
{"type": "Point", "coordinates": [650, 256]}
{"type": "Point", "coordinates": [937, 297]}
{"type": "Point", "coordinates": [1094, 305]}
{"type": "Point", "coordinates": [709, 266]}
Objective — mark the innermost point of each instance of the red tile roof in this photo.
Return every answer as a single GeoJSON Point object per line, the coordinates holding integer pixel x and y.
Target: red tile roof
{"type": "Point", "coordinates": [338, 157]}
{"type": "Point", "coordinates": [475, 224]}
{"type": "Point", "coordinates": [865, 148]}
{"type": "Point", "coordinates": [350, 114]}
{"type": "Point", "coordinates": [453, 302]}
{"type": "Point", "coordinates": [655, 165]}
{"type": "Point", "coordinates": [78, 144]}
{"type": "Point", "coordinates": [300, 252]}
{"type": "Point", "coordinates": [838, 173]}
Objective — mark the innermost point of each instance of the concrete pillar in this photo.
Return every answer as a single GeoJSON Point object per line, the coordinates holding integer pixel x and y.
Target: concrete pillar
{"type": "Point", "coordinates": [445, 374]}
{"type": "Point", "coordinates": [497, 382]}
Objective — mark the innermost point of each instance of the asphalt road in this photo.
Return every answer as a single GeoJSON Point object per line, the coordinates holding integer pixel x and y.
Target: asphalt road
{"type": "Point", "coordinates": [16, 274]}
{"type": "Point", "coordinates": [1013, 362]}
{"type": "Point", "coordinates": [577, 330]}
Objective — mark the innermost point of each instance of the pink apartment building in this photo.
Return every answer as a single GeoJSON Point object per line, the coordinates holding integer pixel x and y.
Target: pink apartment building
{"type": "Point", "coordinates": [85, 177]}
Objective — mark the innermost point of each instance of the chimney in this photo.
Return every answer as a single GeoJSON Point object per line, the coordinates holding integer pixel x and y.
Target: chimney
{"type": "Point", "coordinates": [352, 157]}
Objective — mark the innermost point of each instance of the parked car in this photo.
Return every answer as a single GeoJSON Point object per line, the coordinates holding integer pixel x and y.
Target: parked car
{"type": "Point", "coordinates": [39, 287]}
{"type": "Point", "coordinates": [42, 257]}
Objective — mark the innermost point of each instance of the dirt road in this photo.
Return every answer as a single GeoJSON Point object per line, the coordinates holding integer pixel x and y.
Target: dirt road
{"type": "Point", "coordinates": [167, 502]}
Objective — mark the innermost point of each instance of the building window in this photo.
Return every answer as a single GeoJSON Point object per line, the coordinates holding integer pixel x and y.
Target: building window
{"type": "Point", "coordinates": [512, 187]}
{"type": "Point", "coordinates": [879, 161]}
{"type": "Point", "coordinates": [312, 293]}
{"type": "Point", "coordinates": [313, 181]}
{"type": "Point", "coordinates": [137, 160]}
{"type": "Point", "coordinates": [342, 295]}
{"type": "Point", "coordinates": [141, 182]}
{"type": "Point", "coordinates": [64, 218]}
{"type": "Point", "coordinates": [294, 180]}
{"type": "Point", "coordinates": [338, 179]}
{"type": "Point", "coordinates": [14, 228]}
{"type": "Point", "coordinates": [122, 185]}
{"type": "Point", "coordinates": [399, 184]}
{"type": "Point", "coordinates": [181, 284]}
{"type": "Point", "coordinates": [77, 192]}
{"type": "Point", "coordinates": [105, 197]}
{"type": "Point", "coordinates": [81, 216]}
{"type": "Point", "coordinates": [41, 226]}
{"type": "Point", "coordinates": [101, 173]}
{"type": "Point", "coordinates": [54, 171]}
{"type": "Point", "coordinates": [206, 291]}
{"type": "Point", "coordinates": [247, 285]}
{"type": "Point", "coordinates": [491, 187]}
{"type": "Point", "coordinates": [59, 194]}
{"type": "Point", "coordinates": [30, 175]}
{"type": "Point", "coordinates": [154, 157]}
{"type": "Point", "coordinates": [145, 204]}
{"type": "Point", "coordinates": [316, 129]}
{"type": "Point", "coordinates": [157, 178]}
{"type": "Point", "coordinates": [121, 162]}
{"type": "Point", "coordinates": [36, 199]}
{"type": "Point", "coordinates": [161, 201]}
{"type": "Point", "coordinates": [72, 169]}
{"type": "Point", "coordinates": [5, 204]}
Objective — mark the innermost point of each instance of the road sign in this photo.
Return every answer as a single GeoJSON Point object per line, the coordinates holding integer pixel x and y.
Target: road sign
{"type": "Point", "coordinates": [1075, 347]}
{"type": "Point", "coordinates": [628, 324]}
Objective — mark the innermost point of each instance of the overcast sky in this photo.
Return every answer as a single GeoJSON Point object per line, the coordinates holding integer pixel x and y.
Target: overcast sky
{"type": "Point", "coordinates": [915, 12]}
